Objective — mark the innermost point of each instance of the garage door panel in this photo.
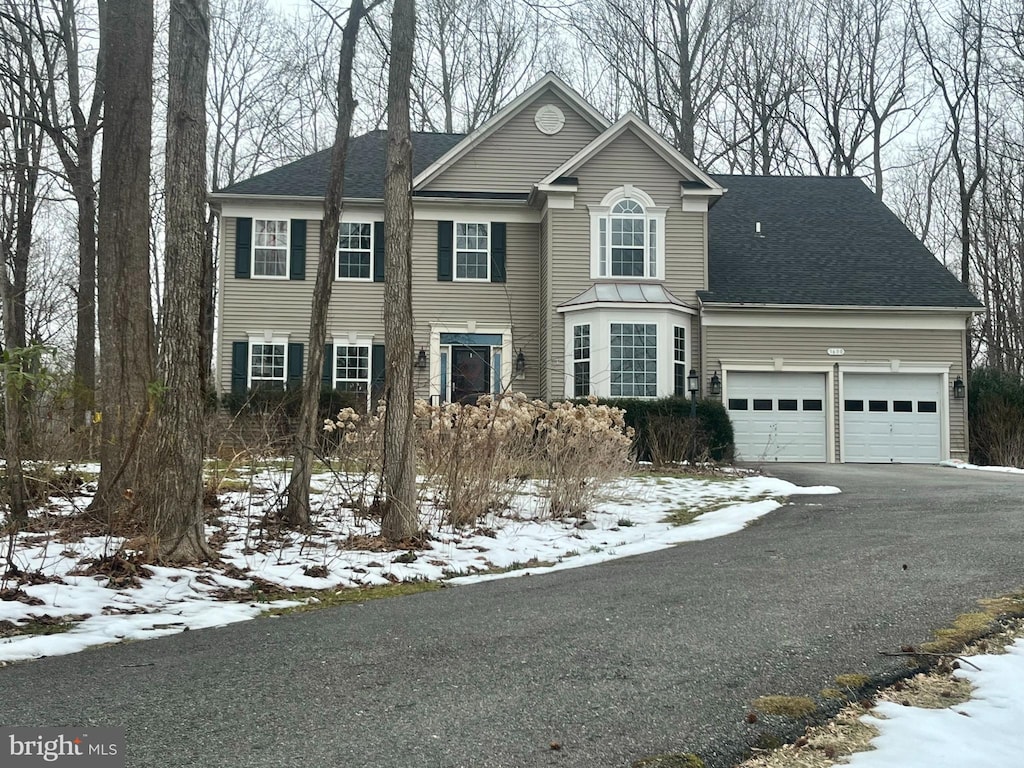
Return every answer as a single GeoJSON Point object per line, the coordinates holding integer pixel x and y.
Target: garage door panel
{"type": "Point", "coordinates": [891, 418]}
{"type": "Point", "coordinates": [777, 416]}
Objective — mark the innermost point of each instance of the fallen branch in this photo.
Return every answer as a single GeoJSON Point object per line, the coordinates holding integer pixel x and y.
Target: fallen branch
{"type": "Point", "coordinates": [925, 653]}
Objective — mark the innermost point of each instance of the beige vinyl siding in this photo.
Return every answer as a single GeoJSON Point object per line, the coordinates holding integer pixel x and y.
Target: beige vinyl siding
{"type": "Point", "coordinates": [807, 346]}
{"type": "Point", "coordinates": [627, 160]}
{"type": "Point", "coordinates": [517, 155]}
{"type": "Point", "coordinates": [251, 306]}
{"type": "Point", "coordinates": [514, 303]}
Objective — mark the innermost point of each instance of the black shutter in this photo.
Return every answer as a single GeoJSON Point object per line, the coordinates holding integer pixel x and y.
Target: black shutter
{"type": "Point", "coordinates": [378, 251]}
{"type": "Point", "coordinates": [497, 252]}
{"type": "Point", "coordinates": [445, 252]}
{"type": "Point", "coordinates": [239, 367]}
{"type": "Point", "coordinates": [243, 247]}
{"type": "Point", "coordinates": [328, 373]}
{"type": "Point", "coordinates": [376, 374]}
{"type": "Point", "coordinates": [294, 365]}
{"type": "Point", "coordinates": [297, 268]}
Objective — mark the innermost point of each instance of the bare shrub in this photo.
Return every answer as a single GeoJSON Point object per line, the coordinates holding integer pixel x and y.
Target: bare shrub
{"type": "Point", "coordinates": [581, 449]}
{"type": "Point", "coordinates": [356, 455]}
{"type": "Point", "coordinates": [475, 456]}
{"type": "Point", "coordinates": [475, 459]}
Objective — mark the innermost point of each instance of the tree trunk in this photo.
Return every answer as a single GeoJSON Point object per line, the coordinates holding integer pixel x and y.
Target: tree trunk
{"type": "Point", "coordinates": [306, 434]}
{"type": "Point", "coordinates": [85, 328]}
{"type": "Point", "coordinates": [127, 367]}
{"type": "Point", "coordinates": [172, 499]}
{"type": "Point", "coordinates": [400, 519]}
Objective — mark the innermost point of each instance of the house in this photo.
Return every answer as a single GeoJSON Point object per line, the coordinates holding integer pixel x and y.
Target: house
{"type": "Point", "coordinates": [560, 254]}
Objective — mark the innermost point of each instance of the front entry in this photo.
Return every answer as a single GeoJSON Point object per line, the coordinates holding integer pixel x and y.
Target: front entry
{"type": "Point", "coordinates": [471, 373]}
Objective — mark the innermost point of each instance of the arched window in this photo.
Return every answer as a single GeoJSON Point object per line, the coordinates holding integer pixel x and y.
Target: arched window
{"type": "Point", "coordinates": [626, 235]}
{"type": "Point", "coordinates": [628, 226]}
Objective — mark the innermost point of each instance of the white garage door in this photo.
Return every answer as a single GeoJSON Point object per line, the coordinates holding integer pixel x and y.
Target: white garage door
{"type": "Point", "coordinates": [777, 416]}
{"type": "Point", "coordinates": [891, 417]}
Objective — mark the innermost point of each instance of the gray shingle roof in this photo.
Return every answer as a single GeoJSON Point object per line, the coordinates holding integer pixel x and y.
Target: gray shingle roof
{"type": "Point", "coordinates": [364, 169]}
{"type": "Point", "coordinates": [823, 241]}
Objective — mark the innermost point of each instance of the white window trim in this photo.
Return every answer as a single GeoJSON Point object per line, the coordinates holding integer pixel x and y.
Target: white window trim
{"type": "Point", "coordinates": [686, 355]}
{"type": "Point", "coordinates": [602, 212]}
{"type": "Point", "coordinates": [588, 359]}
{"type": "Point", "coordinates": [368, 346]}
{"type": "Point", "coordinates": [337, 257]}
{"type": "Point", "coordinates": [455, 253]}
{"type": "Point", "coordinates": [266, 339]}
{"type": "Point", "coordinates": [600, 318]}
{"type": "Point", "coordinates": [287, 252]}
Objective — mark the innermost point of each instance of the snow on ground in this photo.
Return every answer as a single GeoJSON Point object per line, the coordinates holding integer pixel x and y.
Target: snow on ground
{"type": "Point", "coordinates": [344, 551]}
{"type": "Point", "coordinates": [959, 464]}
{"type": "Point", "coordinates": [984, 732]}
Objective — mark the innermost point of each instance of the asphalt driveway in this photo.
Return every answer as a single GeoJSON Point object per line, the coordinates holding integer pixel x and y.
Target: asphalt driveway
{"type": "Point", "coordinates": [645, 655]}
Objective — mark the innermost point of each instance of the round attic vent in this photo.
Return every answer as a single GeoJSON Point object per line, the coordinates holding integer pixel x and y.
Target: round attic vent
{"type": "Point", "coordinates": [549, 119]}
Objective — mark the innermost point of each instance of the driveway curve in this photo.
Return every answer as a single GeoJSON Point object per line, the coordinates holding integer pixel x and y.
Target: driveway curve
{"type": "Point", "coordinates": [659, 653]}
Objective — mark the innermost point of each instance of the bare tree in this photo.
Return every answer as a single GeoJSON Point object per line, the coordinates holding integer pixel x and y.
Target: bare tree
{"type": "Point", "coordinates": [70, 116]}
{"type": "Point", "coordinates": [19, 181]}
{"type": "Point", "coordinates": [764, 80]}
{"type": "Point", "coordinates": [400, 520]}
{"type": "Point", "coordinates": [172, 498]}
{"type": "Point", "coordinates": [127, 365]}
{"type": "Point", "coordinates": [470, 58]}
{"type": "Point", "coordinates": [953, 48]}
{"type": "Point", "coordinates": [306, 433]}
{"type": "Point", "coordinates": [670, 55]}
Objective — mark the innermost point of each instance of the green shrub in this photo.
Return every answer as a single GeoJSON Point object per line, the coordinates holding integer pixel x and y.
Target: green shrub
{"type": "Point", "coordinates": [664, 432]}
{"type": "Point", "coordinates": [996, 413]}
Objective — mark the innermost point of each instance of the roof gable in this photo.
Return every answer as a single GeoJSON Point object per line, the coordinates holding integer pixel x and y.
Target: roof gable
{"type": "Point", "coordinates": [633, 124]}
{"type": "Point", "coordinates": [513, 130]}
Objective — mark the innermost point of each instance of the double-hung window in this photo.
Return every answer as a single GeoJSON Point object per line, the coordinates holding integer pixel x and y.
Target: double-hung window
{"type": "Point", "coordinates": [270, 248]}
{"type": "Point", "coordinates": [627, 236]}
{"type": "Point", "coordinates": [267, 365]}
{"type": "Point", "coordinates": [634, 359]}
{"type": "Point", "coordinates": [472, 252]}
{"type": "Point", "coordinates": [628, 239]}
{"type": "Point", "coordinates": [352, 368]}
{"type": "Point", "coordinates": [581, 360]}
{"type": "Point", "coordinates": [355, 251]}
{"type": "Point", "coordinates": [679, 361]}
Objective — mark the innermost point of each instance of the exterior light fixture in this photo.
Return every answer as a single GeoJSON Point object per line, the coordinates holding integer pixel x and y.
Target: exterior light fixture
{"type": "Point", "coordinates": [715, 385]}
{"type": "Point", "coordinates": [520, 364]}
{"type": "Point", "coordinates": [959, 390]}
{"type": "Point", "coordinates": [692, 384]}
{"type": "Point", "coordinates": [421, 360]}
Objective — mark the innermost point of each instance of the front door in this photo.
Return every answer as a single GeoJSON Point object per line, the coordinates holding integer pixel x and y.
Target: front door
{"type": "Point", "coordinates": [471, 373]}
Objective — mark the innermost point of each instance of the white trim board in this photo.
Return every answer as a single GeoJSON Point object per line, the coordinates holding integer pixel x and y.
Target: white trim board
{"type": "Point", "coordinates": [935, 320]}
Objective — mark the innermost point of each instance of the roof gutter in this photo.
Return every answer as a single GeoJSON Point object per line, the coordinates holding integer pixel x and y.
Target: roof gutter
{"type": "Point", "coordinates": [727, 305]}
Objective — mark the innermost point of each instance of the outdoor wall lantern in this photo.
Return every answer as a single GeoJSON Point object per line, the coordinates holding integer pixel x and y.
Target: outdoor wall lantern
{"type": "Point", "coordinates": [959, 390]}
{"type": "Point", "coordinates": [520, 364]}
{"type": "Point", "coordinates": [421, 360]}
{"type": "Point", "coordinates": [692, 384]}
{"type": "Point", "coordinates": [715, 385]}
